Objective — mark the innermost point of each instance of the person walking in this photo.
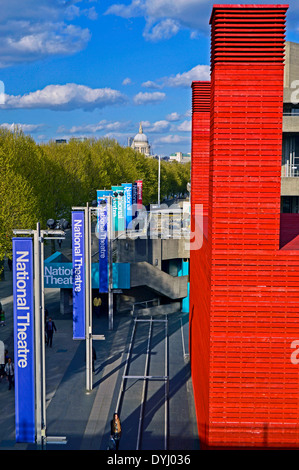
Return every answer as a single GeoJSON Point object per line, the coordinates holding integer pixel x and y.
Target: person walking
{"type": "Point", "coordinates": [116, 430]}
{"type": "Point", "coordinates": [50, 327]}
{"type": "Point", "coordinates": [10, 372]}
{"type": "Point", "coordinates": [2, 316]}
{"type": "Point", "coordinates": [94, 358]}
{"type": "Point", "coordinates": [97, 302]}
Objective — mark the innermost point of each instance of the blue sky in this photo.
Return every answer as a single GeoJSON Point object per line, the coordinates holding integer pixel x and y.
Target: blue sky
{"type": "Point", "coordinates": [97, 68]}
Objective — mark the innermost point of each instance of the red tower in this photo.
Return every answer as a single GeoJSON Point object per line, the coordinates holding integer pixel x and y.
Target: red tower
{"type": "Point", "coordinates": [244, 289]}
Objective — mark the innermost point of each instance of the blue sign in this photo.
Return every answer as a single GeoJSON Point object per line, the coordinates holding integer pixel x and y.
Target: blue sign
{"type": "Point", "coordinates": [103, 245]}
{"type": "Point", "coordinates": [101, 194]}
{"type": "Point", "coordinates": [128, 202]}
{"type": "Point", "coordinates": [134, 200]}
{"type": "Point", "coordinates": [23, 308]}
{"type": "Point", "coordinates": [78, 251]}
{"type": "Point", "coordinates": [118, 208]}
{"type": "Point", "coordinates": [134, 193]}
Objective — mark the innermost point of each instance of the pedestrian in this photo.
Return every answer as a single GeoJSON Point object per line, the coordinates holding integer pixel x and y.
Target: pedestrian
{"type": "Point", "coordinates": [9, 371]}
{"type": "Point", "coordinates": [97, 302]}
{"type": "Point", "coordinates": [2, 316]}
{"type": "Point", "coordinates": [115, 430]}
{"type": "Point", "coordinates": [2, 360]}
{"type": "Point", "coordinates": [94, 358]}
{"type": "Point", "coordinates": [50, 327]}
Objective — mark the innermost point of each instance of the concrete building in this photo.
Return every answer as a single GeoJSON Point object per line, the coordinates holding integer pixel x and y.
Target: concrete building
{"type": "Point", "coordinates": [290, 153]}
{"type": "Point", "coordinates": [180, 157]}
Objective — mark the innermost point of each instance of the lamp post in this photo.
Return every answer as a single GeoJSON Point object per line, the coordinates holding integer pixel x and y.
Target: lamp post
{"type": "Point", "coordinates": [159, 178]}
{"type": "Point", "coordinates": [110, 265]}
{"type": "Point", "coordinates": [108, 201]}
{"type": "Point", "coordinates": [88, 294]}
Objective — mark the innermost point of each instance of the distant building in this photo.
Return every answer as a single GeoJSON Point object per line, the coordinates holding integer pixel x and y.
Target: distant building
{"type": "Point", "coordinates": [79, 139]}
{"type": "Point", "coordinates": [130, 141]}
{"type": "Point", "coordinates": [180, 157]}
{"type": "Point", "coordinates": [140, 143]}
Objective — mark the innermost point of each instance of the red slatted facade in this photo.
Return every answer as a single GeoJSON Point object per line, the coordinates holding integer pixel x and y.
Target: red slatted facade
{"type": "Point", "coordinates": [199, 256]}
{"type": "Point", "coordinates": [244, 289]}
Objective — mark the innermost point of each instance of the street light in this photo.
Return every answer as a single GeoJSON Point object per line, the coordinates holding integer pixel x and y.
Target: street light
{"type": "Point", "coordinates": [61, 224]}
{"type": "Point", "coordinates": [159, 177]}
{"type": "Point", "coordinates": [88, 291]}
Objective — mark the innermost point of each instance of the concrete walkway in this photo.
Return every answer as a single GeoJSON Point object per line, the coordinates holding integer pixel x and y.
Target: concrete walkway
{"type": "Point", "coordinates": [83, 418]}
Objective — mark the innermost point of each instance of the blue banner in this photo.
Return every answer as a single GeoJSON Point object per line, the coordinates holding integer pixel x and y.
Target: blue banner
{"type": "Point", "coordinates": [23, 308]}
{"type": "Point", "coordinates": [118, 208]}
{"type": "Point", "coordinates": [78, 252]}
{"type": "Point", "coordinates": [134, 193]}
{"type": "Point", "coordinates": [101, 193]}
{"type": "Point", "coordinates": [103, 245]}
{"type": "Point", "coordinates": [134, 200]}
{"type": "Point", "coordinates": [128, 202]}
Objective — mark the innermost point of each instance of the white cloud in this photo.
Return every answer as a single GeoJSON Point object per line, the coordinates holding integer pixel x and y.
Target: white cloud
{"type": "Point", "coordinates": [65, 97]}
{"type": "Point", "coordinates": [165, 125]}
{"type": "Point", "coordinates": [151, 84]}
{"type": "Point", "coordinates": [163, 30]}
{"type": "Point", "coordinates": [40, 41]}
{"type": "Point", "coordinates": [136, 8]}
{"type": "Point", "coordinates": [127, 81]}
{"type": "Point", "coordinates": [37, 29]}
{"type": "Point", "coordinates": [119, 136]}
{"type": "Point", "coordinates": [185, 126]}
{"type": "Point", "coordinates": [199, 72]}
{"type": "Point", "coordinates": [148, 98]}
{"type": "Point", "coordinates": [164, 18]}
{"type": "Point", "coordinates": [171, 139]}
{"type": "Point", "coordinates": [173, 116]}
{"type": "Point", "coordinates": [191, 14]}
{"type": "Point", "coordinates": [103, 125]}
{"type": "Point", "coordinates": [185, 79]}
{"type": "Point", "coordinates": [75, 12]}
{"type": "Point", "coordinates": [158, 126]}
{"type": "Point", "coordinates": [24, 127]}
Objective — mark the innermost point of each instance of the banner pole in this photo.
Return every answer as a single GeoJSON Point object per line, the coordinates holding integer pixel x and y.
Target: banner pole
{"type": "Point", "coordinates": [90, 298]}
{"type": "Point", "coordinates": [43, 346]}
{"type": "Point", "coordinates": [88, 301]}
{"type": "Point", "coordinates": [110, 264]}
{"type": "Point", "coordinates": [31, 410]}
{"type": "Point", "coordinates": [37, 331]}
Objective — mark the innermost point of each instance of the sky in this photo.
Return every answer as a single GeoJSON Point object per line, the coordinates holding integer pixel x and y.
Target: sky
{"type": "Point", "coordinates": [95, 68]}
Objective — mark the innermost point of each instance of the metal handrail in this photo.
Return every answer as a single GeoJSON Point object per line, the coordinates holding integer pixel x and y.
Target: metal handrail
{"type": "Point", "coordinates": [146, 302]}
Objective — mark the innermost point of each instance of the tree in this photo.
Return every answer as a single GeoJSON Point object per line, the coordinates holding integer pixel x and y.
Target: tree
{"type": "Point", "coordinates": [18, 207]}
{"type": "Point", "coordinates": [44, 181]}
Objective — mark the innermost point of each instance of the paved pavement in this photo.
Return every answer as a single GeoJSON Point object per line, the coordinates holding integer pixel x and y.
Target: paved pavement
{"type": "Point", "coordinates": [83, 418]}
